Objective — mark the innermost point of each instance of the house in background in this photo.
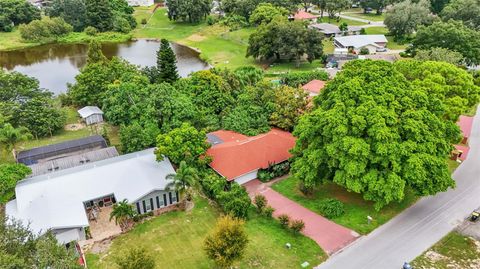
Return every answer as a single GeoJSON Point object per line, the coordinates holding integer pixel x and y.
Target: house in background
{"type": "Point", "coordinates": [61, 150]}
{"type": "Point", "coordinates": [91, 115]}
{"type": "Point", "coordinates": [330, 30]}
{"type": "Point", "coordinates": [373, 43]}
{"type": "Point", "coordinates": [314, 87]}
{"type": "Point", "coordinates": [303, 16]}
{"type": "Point", "coordinates": [142, 3]}
{"type": "Point", "coordinates": [238, 157]}
{"type": "Point", "coordinates": [68, 201]}
{"type": "Point", "coordinates": [461, 150]}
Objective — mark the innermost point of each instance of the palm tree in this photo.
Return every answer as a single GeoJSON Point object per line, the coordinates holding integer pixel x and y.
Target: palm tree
{"type": "Point", "coordinates": [184, 178]}
{"type": "Point", "coordinates": [122, 212]}
{"type": "Point", "coordinates": [11, 136]}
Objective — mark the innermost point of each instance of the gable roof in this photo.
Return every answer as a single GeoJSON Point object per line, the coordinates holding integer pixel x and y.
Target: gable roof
{"type": "Point", "coordinates": [465, 123]}
{"type": "Point", "coordinates": [358, 41]}
{"type": "Point", "coordinates": [328, 28]}
{"type": "Point", "coordinates": [55, 200]}
{"type": "Point", "coordinates": [234, 158]}
{"type": "Point", "coordinates": [88, 111]}
{"type": "Point", "coordinates": [314, 86]}
{"type": "Point", "coordinates": [303, 15]}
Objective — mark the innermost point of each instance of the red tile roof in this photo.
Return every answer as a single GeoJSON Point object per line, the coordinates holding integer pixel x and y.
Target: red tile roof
{"type": "Point", "coordinates": [465, 123]}
{"type": "Point", "coordinates": [314, 86]}
{"type": "Point", "coordinates": [234, 158]}
{"type": "Point", "coordinates": [302, 15]}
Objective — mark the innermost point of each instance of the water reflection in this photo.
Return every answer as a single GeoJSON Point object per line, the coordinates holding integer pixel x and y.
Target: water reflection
{"type": "Point", "coordinates": [57, 64]}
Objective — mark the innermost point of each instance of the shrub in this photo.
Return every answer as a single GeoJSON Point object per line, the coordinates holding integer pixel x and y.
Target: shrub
{"type": "Point", "coordinates": [91, 31]}
{"type": "Point", "coordinates": [264, 175]}
{"type": "Point", "coordinates": [6, 25]}
{"type": "Point", "coordinates": [297, 226]}
{"type": "Point", "coordinates": [296, 79]}
{"type": "Point", "coordinates": [235, 22]}
{"type": "Point", "coordinates": [363, 32]}
{"type": "Point", "coordinates": [144, 21]}
{"type": "Point", "coordinates": [273, 171]}
{"type": "Point", "coordinates": [364, 51]}
{"type": "Point", "coordinates": [331, 208]}
{"type": "Point", "coordinates": [134, 258]}
{"type": "Point", "coordinates": [260, 202]}
{"type": "Point", "coordinates": [284, 220]}
{"type": "Point", "coordinates": [121, 24]}
{"type": "Point", "coordinates": [211, 20]}
{"type": "Point", "coordinates": [268, 211]}
{"type": "Point", "coordinates": [45, 30]}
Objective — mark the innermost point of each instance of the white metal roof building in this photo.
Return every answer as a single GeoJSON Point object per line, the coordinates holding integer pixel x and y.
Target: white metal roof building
{"type": "Point", "coordinates": [56, 200]}
{"type": "Point", "coordinates": [357, 42]}
{"type": "Point", "coordinates": [91, 114]}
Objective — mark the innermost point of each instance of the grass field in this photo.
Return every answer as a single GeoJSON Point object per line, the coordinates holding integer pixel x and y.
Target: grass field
{"type": "Point", "coordinates": [356, 208]}
{"type": "Point", "coordinates": [342, 20]}
{"type": "Point", "coordinates": [358, 13]}
{"type": "Point", "coordinates": [453, 251]}
{"type": "Point", "coordinates": [384, 31]}
{"type": "Point", "coordinates": [176, 241]}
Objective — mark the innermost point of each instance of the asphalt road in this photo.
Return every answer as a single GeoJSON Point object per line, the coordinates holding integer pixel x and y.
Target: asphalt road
{"type": "Point", "coordinates": [419, 227]}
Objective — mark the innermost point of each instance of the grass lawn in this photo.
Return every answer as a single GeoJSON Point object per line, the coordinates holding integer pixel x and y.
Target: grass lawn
{"type": "Point", "coordinates": [356, 209]}
{"type": "Point", "coordinates": [358, 13]}
{"type": "Point", "coordinates": [384, 31]}
{"type": "Point", "coordinates": [453, 251]}
{"type": "Point", "coordinates": [342, 20]}
{"type": "Point", "coordinates": [176, 240]}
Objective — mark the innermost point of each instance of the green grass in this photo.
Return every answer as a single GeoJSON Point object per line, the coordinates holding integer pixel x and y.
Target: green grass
{"type": "Point", "coordinates": [12, 40]}
{"type": "Point", "coordinates": [456, 250]}
{"type": "Point", "coordinates": [356, 208]}
{"type": "Point", "coordinates": [384, 31]}
{"type": "Point", "coordinates": [342, 20]}
{"type": "Point", "coordinates": [176, 241]}
{"type": "Point", "coordinates": [358, 13]}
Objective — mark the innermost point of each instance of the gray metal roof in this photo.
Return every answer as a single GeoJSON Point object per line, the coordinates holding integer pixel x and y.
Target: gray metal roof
{"type": "Point", "coordinates": [329, 28]}
{"type": "Point", "coordinates": [89, 110]}
{"type": "Point", "coordinates": [72, 161]}
{"type": "Point", "coordinates": [358, 41]}
{"type": "Point", "coordinates": [82, 143]}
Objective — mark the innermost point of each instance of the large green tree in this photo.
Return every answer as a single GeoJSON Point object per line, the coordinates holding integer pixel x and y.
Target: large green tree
{"type": "Point", "coordinates": [11, 136]}
{"type": "Point", "coordinates": [283, 40]}
{"type": "Point", "coordinates": [138, 136]}
{"type": "Point", "coordinates": [16, 12]}
{"type": "Point", "coordinates": [467, 11]}
{"type": "Point", "coordinates": [99, 14]}
{"type": "Point", "coordinates": [265, 12]}
{"type": "Point", "coordinates": [10, 174]}
{"type": "Point", "coordinates": [188, 10]}
{"type": "Point", "coordinates": [452, 35]}
{"type": "Point", "coordinates": [167, 63]}
{"type": "Point", "coordinates": [183, 179]}
{"type": "Point", "coordinates": [404, 18]}
{"type": "Point", "coordinates": [183, 144]}
{"type": "Point", "coordinates": [375, 133]}
{"type": "Point", "coordinates": [74, 12]}
{"type": "Point", "coordinates": [440, 55]}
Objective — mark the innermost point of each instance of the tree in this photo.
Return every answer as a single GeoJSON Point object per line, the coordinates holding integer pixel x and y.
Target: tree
{"type": "Point", "coordinates": [467, 11]}
{"type": "Point", "coordinates": [372, 132]}
{"type": "Point", "coordinates": [95, 54]}
{"type": "Point", "coordinates": [11, 136]}
{"type": "Point", "coordinates": [298, 79]}
{"type": "Point", "coordinates": [265, 12]}
{"type": "Point", "coordinates": [438, 5]}
{"type": "Point", "coordinates": [440, 55]}
{"type": "Point", "coordinates": [290, 103]}
{"type": "Point", "coordinates": [452, 85]}
{"type": "Point", "coordinates": [21, 248]}
{"type": "Point", "coordinates": [184, 178]}
{"type": "Point", "coordinates": [45, 30]}
{"type": "Point", "coordinates": [10, 175]}
{"type": "Point", "coordinates": [122, 212]}
{"type": "Point", "coordinates": [41, 116]}
{"type": "Point", "coordinates": [192, 11]}
{"type": "Point", "coordinates": [138, 136]}
{"type": "Point", "coordinates": [167, 63]}
{"type": "Point", "coordinates": [227, 242]}
{"type": "Point", "coordinates": [289, 41]}
{"type": "Point", "coordinates": [242, 8]}
{"type": "Point", "coordinates": [16, 12]}
{"type": "Point", "coordinates": [74, 12]}
{"type": "Point", "coordinates": [332, 7]}
{"type": "Point", "coordinates": [452, 35]}
{"type": "Point", "coordinates": [183, 144]}
{"type": "Point", "coordinates": [404, 18]}
{"type": "Point", "coordinates": [378, 5]}
{"type": "Point", "coordinates": [99, 15]}
{"type": "Point", "coordinates": [135, 258]}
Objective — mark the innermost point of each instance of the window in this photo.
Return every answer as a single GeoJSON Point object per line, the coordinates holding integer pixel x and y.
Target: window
{"type": "Point", "coordinates": [151, 204]}
{"type": "Point", "coordinates": [165, 199]}
{"type": "Point", "coordinates": [158, 201]}
{"type": "Point", "coordinates": [170, 197]}
{"type": "Point", "coordinates": [176, 196]}
{"type": "Point", "coordinates": [144, 207]}
{"type": "Point", "coordinates": [138, 208]}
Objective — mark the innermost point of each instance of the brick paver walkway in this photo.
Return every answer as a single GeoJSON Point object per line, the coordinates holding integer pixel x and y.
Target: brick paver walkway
{"type": "Point", "coordinates": [328, 235]}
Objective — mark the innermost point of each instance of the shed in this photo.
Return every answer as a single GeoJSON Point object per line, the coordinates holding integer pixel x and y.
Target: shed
{"type": "Point", "coordinates": [91, 114]}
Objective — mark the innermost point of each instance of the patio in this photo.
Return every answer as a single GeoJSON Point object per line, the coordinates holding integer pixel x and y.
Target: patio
{"type": "Point", "coordinates": [101, 227]}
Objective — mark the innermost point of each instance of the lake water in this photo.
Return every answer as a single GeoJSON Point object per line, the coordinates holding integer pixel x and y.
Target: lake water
{"type": "Point", "coordinates": [57, 64]}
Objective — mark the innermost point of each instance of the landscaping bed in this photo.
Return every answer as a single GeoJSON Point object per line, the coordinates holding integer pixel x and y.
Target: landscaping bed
{"type": "Point", "coordinates": [176, 240]}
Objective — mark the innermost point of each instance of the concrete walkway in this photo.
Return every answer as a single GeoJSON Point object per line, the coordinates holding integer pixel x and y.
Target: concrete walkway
{"type": "Point", "coordinates": [328, 235]}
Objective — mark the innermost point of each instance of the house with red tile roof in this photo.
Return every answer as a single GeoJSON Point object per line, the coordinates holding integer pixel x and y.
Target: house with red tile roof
{"type": "Point", "coordinates": [238, 157]}
{"type": "Point", "coordinates": [465, 123]}
{"type": "Point", "coordinates": [314, 87]}
{"type": "Point", "coordinates": [303, 15]}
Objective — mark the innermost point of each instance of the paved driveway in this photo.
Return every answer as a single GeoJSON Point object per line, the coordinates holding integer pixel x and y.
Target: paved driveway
{"type": "Point", "coordinates": [328, 235]}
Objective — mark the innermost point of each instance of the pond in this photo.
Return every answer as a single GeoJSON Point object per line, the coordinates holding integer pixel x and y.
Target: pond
{"type": "Point", "coordinates": [55, 65]}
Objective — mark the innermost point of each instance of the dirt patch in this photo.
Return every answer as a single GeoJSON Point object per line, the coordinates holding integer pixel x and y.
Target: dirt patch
{"type": "Point", "coordinates": [434, 256]}
{"type": "Point", "coordinates": [101, 247]}
{"type": "Point", "coordinates": [196, 38]}
{"type": "Point", "coordinates": [74, 127]}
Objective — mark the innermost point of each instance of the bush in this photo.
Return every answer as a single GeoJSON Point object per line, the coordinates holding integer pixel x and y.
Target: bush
{"type": "Point", "coordinates": [91, 31]}
{"type": "Point", "coordinates": [331, 208]}
{"type": "Point", "coordinates": [296, 79]}
{"type": "Point", "coordinates": [268, 211]}
{"type": "Point", "coordinates": [234, 22]}
{"type": "Point", "coordinates": [264, 175]}
{"type": "Point", "coordinates": [121, 25]}
{"type": "Point", "coordinates": [297, 226]}
{"type": "Point", "coordinates": [284, 220]}
{"type": "Point", "coordinates": [260, 202]}
{"type": "Point", "coordinates": [6, 25]}
{"type": "Point", "coordinates": [363, 32]}
{"type": "Point", "coordinates": [235, 202]}
{"type": "Point", "coordinates": [273, 171]}
{"type": "Point", "coordinates": [211, 20]}
{"type": "Point", "coordinates": [45, 30]}
{"type": "Point", "coordinates": [144, 21]}
{"type": "Point", "coordinates": [364, 51]}
{"type": "Point", "coordinates": [134, 258]}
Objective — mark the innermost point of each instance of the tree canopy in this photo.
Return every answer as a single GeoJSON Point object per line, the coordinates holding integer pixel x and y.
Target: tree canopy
{"type": "Point", "coordinates": [440, 55]}
{"type": "Point", "coordinates": [404, 17]}
{"type": "Point", "coordinates": [467, 11]}
{"type": "Point", "coordinates": [192, 11]}
{"type": "Point", "coordinates": [74, 12]}
{"type": "Point", "coordinates": [10, 175]}
{"type": "Point", "coordinates": [266, 12]}
{"type": "Point", "coordinates": [375, 133]}
{"type": "Point", "coordinates": [16, 12]}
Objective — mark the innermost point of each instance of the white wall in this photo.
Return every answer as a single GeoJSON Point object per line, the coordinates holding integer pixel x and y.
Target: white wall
{"type": "Point", "coordinates": [65, 236]}
{"type": "Point", "coordinates": [144, 3]}
{"type": "Point", "coordinates": [246, 178]}
{"type": "Point", "coordinates": [154, 195]}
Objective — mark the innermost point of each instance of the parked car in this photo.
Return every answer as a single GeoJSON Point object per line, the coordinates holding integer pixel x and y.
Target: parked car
{"type": "Point", "coordinates": [381, 49]}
